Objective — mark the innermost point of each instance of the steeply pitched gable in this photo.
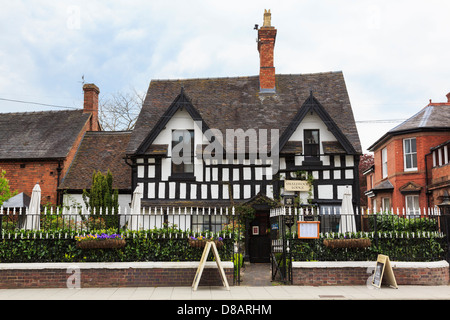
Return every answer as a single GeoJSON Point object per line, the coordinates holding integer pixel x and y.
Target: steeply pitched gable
{"type": "Point", "coordinates": [181, 101]}
{"type": "Point", "coordinates": [312, 104]}
{"type": "Point", "coordinates": [237, 103]}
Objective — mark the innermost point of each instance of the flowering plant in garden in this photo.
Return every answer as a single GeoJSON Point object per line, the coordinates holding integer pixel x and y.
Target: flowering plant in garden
{"type": "Point", "coordinates": [200, 241]}
{"type": "Point", "coordinates": [103, 236]}
{"type": "Point", "coordinates": [100, 241]}
{"type": "Point", "coordinates": [212, 238]}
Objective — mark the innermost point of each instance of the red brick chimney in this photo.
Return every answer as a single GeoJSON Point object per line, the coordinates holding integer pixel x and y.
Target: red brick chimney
{"type": "Point", "coordinates": [266, 44]}
{"type": "Point", "coordinates": [91, 92]}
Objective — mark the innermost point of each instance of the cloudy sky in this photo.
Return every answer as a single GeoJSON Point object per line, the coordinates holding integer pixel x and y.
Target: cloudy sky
{"type": "Point", "coordinates": [394, 54]}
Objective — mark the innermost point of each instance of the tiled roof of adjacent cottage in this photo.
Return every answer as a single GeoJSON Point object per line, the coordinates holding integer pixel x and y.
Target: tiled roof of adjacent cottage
{"type": "Point", "coordinates": [99, 151]}
{"type": "Point", "coordinates": [40, 135]}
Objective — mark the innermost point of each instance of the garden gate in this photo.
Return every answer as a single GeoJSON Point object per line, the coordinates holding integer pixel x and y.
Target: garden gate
{"type": "Point", "coordinates": [279, 255]}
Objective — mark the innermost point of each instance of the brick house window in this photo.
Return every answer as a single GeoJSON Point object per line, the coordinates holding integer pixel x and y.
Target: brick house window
{"type": "Point", "coordinates": [441, 156]}
{"type": "Point", "coordinates": [412, 204]}
{"type": "Point", "coordinates": [386, 204]}
{"type": "Point", "coordinates": [384, 162]}
{"type": "Point", "coordinates": [410, 154]}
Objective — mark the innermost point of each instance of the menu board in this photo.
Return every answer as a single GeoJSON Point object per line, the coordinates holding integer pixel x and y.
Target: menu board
{"type": "Point", "coordinates": [383, 270]}
{"type": "Point", "coordinates": [308, 229]}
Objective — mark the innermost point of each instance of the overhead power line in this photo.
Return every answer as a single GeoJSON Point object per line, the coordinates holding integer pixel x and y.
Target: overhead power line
{"type": "Point", "coordinates": [37, 103]}
{"type": "Point", "coordinates": [105, 111]}
{"type": "Point", "coordinates": [381, 121]}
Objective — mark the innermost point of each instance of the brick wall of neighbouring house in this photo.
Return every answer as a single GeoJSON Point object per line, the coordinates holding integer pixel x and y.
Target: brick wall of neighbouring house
{"type": "Point", "coordinates": [432, 274]}
{"type": "Point", "coordinates": [109, 277]}
{"type": "Point", "coordinates": [396, 173]}
{"type": "Point", "coordinates": [23, 176]}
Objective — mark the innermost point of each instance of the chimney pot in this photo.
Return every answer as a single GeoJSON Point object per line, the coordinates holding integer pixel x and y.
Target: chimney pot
{"type": "Point", "coordinates": [266, 45]}
{"type": "Point", "coordinates": [448, 97]}
{"type": "Point", "coordinates": [91, 92]}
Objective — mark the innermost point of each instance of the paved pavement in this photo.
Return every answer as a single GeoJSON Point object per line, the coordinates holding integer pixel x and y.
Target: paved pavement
{"type": "Point", "coordinates": [277, 292]}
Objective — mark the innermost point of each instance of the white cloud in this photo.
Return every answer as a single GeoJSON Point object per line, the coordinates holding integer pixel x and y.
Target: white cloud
{"type": "Point", "coordinates": [393, 53]}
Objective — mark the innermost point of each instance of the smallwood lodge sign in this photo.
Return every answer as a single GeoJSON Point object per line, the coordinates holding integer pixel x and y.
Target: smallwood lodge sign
{"type": "Point", "coordinates": [296, 185]}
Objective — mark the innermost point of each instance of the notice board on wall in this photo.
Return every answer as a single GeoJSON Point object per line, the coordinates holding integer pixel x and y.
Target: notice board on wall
{"type": "Point", "coordinates": [308, 229]}
{"type": "Point", "coordinates": [383, 271]}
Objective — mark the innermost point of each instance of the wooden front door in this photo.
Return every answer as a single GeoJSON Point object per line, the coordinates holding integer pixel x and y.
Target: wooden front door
{"type": "Point", "coordinates": [259, 238]}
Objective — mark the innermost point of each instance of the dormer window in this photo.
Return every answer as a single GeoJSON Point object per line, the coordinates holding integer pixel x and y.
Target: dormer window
{"type": "Point", "coordinates": [182, 153]}
{"type": "Point", "coordinates": [312, 148]}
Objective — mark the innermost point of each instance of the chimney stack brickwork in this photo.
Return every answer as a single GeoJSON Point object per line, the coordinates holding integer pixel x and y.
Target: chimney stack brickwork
{"type": "Point", "coordinates": [91, 92]}
{"type": "Point", "coordinates": [266, 45]}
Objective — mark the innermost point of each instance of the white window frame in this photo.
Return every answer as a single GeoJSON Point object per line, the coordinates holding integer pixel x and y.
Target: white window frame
{"type": "Point", "coordinates": [386, 203]}
{"type": "Point", "coordinates": [384, 165]}
{"type": "Point", "coordinates": [409, 154]}
{"type": "Point", "coordinates": [414, 201]}
{"type": "Point", "coordinates": [446, 154]}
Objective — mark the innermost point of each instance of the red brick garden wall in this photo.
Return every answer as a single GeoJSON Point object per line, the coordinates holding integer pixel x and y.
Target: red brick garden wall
{"type": "Point", "coordinates": [342, 274]}
{"type": "Point", "coordinates": [64, 274]}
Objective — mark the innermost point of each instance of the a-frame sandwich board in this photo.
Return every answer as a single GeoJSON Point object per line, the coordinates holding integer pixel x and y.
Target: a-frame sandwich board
{"type": "Point", "coordinates": [383, 271]}
{"type": "Point", "coordinates": [198, 275]}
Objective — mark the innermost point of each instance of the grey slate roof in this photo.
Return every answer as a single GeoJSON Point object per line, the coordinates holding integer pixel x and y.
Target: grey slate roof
{"type": "Point", "coordinates": [434, 117]}
{"type": "Point", "coordinates": [21, 200]}
{"type": "Point", "coordinates": [233, 103]}
{"type": "Point", "coordinates": [39, 135]}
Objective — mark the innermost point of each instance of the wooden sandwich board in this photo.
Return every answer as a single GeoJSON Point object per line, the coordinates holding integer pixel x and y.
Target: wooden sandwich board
{"type": "Point", "coordinates": [198, 275]}
{"type": "Point", "coordinates": [383, 271]}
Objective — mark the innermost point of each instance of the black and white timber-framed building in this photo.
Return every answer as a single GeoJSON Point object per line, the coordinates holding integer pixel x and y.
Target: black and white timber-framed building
{"type": "Point", "coordinates": [282, 126]}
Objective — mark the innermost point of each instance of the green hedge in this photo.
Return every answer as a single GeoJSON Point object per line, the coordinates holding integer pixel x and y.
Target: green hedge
{"type": "Point", "coordinates": [399, 246]}
{"type": "Point", "coordinates": [156, 245]}
{"type": "Point", "coordinates": [395, 223]}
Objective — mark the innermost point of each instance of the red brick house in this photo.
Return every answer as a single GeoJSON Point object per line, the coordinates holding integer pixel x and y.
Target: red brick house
{"type": "Point", "coordinates": [38, 147]}
{"type": "Point", "coordinates": [404, 175]}
{"type": "Point", "coordinates": [439, 175]}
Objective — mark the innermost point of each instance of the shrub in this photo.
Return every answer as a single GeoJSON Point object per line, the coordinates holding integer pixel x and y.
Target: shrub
{"type": "Point", "coordinates": [166, 244]}
{"type": "Point", "coordinates": [400, 246]}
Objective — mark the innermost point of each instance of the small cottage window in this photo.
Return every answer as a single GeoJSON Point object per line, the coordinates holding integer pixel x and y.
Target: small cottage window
{"type": "Point", "coordinates": [312, 148]}
{"type": "Point", "coordinates": [182, 152]}
{"type": "Point", "coordinates": [208, 222]}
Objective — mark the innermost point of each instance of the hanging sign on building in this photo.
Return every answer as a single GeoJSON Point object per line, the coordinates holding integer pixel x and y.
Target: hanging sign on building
{"type": "Point", "coordinates": [296, 185]}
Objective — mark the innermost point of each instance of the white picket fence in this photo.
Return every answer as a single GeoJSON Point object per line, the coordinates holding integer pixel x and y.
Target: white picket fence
{"type": "Point", "coordinates": [181, 218]}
